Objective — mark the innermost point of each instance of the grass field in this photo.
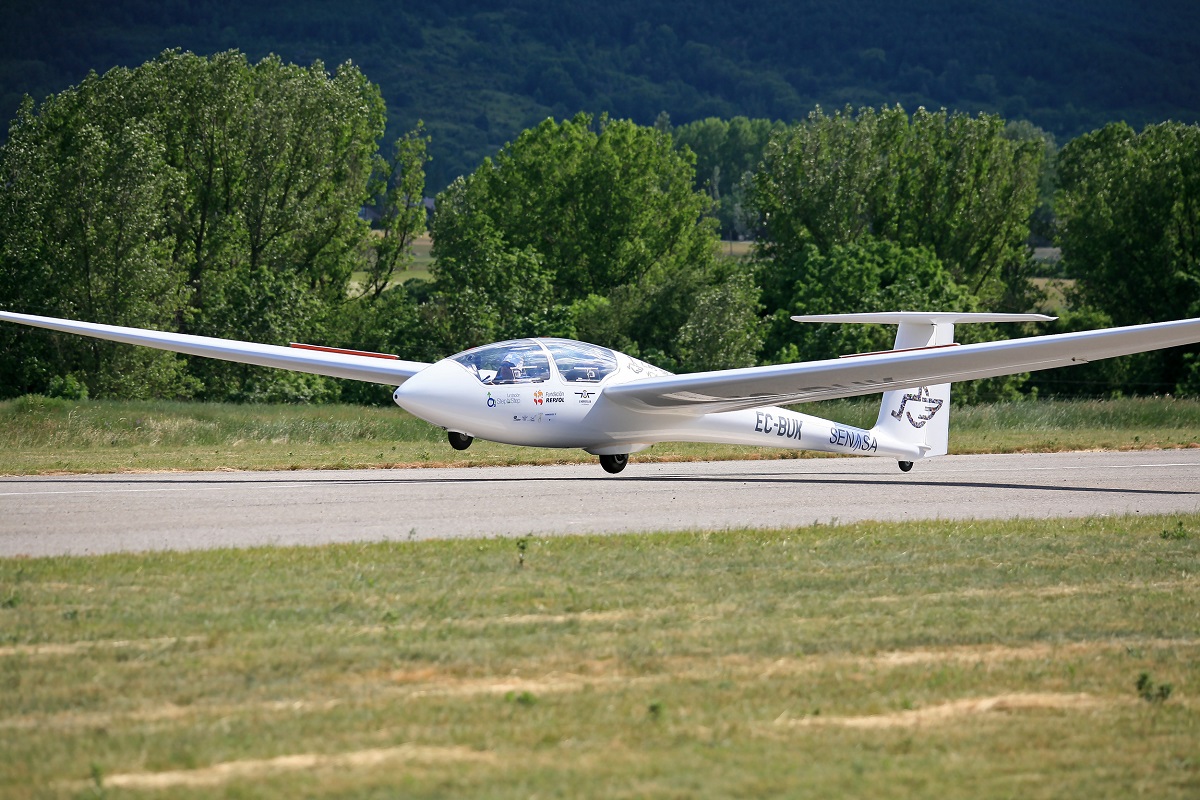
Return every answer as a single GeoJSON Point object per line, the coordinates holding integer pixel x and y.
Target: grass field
{"type": "Point", "coordinates": [1047, 659]}
{"type": "Point", "coordinates": [420, 268]}
{"type": "Point", "coordinates": [1056, 291]}
{"type": "Point", "coordinates": [38, 435]}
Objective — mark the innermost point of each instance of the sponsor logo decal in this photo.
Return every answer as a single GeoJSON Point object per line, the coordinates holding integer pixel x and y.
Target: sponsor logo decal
{"type": "Point", "coordinates": [537, 397]}
{"type": "Point", "coordinates": [638, 367]}
{"type": "Point", "coordinates": [782, 427]}
{"type": "Point", "coordinates": [853, 440]}
{"type": "Point", "coordinates": [918, 398]}
{"type": "Point", "coordinates": [585, 397]}
{"type": "Point", "coordinates": [510, 399]}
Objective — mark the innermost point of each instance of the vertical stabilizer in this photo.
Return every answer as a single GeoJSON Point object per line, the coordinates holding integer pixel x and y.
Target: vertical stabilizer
{"type": "Point", "coordinates": [919, 414]}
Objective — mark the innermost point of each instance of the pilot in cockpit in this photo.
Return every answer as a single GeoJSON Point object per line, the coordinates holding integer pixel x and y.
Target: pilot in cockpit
{"type": "Point", "coordinates": [510, 368]}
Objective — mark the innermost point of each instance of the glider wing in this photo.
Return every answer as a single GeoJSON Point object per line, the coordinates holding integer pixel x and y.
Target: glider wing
{"type": "Point", "coordinates": [318, 361]}
{"type": "Point", "coordinates": [782, 384]}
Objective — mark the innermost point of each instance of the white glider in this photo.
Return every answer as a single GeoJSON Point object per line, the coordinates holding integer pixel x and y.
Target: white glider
{"type": "Point", "coordinates": [564, 393]}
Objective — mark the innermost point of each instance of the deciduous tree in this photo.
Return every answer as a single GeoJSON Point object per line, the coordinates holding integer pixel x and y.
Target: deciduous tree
{"type": "Point", "coordinates": [879, 211]}
{"type": "Point", "coordinates": [205, 195]}
{"type": "Point", "coordinates": [949, 182]}
{"type": "Point", "coordinates": [1129, 227]}
{"type": "Point", "coordinates": [588, 226]}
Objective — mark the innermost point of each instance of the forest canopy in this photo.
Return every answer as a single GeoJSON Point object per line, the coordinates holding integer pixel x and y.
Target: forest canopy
{"type": "Point", "coordinates": [480, 73]}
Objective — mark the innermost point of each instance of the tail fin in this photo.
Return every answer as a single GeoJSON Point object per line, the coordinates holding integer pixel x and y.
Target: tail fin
{"type": "Point", "coordinates": [920, 415]}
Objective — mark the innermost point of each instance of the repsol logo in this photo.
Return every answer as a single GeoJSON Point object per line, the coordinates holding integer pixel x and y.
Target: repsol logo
{"type": "Point", "coordinates": [853, 440]}
{"type": "Point", "coordinates": [783, 427]}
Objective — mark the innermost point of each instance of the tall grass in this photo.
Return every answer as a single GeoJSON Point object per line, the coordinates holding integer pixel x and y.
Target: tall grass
{"type": "Point", "coordinates": [45, 435]}
{"type": "Point", "coordinates": [1161, 413]}
{"type": "Point", "coordinates": [43, 422]}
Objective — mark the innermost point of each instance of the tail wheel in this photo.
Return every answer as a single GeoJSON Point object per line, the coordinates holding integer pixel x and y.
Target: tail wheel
{"type": "Point", "coordinates": [614, 463]}
{"type": "Point", "coordinates": [905, 466]}
{"type": "Point", "coordinates": [459, 441]}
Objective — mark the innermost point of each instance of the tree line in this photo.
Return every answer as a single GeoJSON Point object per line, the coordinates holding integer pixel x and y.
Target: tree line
{"type": "Point", "coordinates": [221, 197]}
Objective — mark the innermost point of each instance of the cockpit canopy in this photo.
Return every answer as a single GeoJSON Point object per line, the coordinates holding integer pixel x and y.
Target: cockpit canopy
{"type": "Point", "coordinates": [528, 361]}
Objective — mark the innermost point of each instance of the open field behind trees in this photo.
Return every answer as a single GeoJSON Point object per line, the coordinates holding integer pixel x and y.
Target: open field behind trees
{"type": "Point", "coordinates": [1040, 659]}
{"type": "Point", "coordinates": [40, 435]}
{"type": "Point", "coordinates": [419, 268]}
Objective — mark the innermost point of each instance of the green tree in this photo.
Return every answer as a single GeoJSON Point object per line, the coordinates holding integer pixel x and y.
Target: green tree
{"type": "Point", "coordinates": [1041, 223]}
{"type": "Point", "coordinates": [82, 232]}
{"type": "Point", "coordinates": [484, 288]}
{"type": "Point", "coordinates": [382, 316]}
{"type": "Point", "coordinates": [308, 152]}
{"type": "Point", "coordinates": [197, 194]}
{"type": "Point", "coordinates": [950, 182]}
{"type": "Point", "coordinates": [1129, 228]}
{"type": "Point", "coordinates": [603, 205]}
{"type": "Point", "coordinates": [725, 152]}
{"type": "Point", "coordinates": [866, 275]}
{"type": "Point", "coordinates": [724, 330]}
{"type": "Point", "coordinates": [587, 227]}
{"type": "Point", "coordinates": [871, 275]}
{"type": "Point", "coordinates": [387, 323]}
{"type": "Point", "coordinates": [879, 211]}
{"type": "Point", "coordinates": [402, 207]}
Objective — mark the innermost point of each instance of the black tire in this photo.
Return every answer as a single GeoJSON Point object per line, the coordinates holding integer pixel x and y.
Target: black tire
{"type": "Point", "coordinates": [459, 441]}
{"type": "Point", "coordinates": [905, 466]}
{"type": "Point", "coordinates": [614, 463]}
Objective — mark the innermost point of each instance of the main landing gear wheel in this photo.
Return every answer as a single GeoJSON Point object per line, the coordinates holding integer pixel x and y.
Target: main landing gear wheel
{"type": "Point", "coordinates": [459, 441]}
{"type": "Point", "coordinates": [905, 466]}
{"type": "Point", "coordinates": [614, 463]}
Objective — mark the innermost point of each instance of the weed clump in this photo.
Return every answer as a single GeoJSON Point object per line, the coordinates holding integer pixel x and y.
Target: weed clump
{"type": "Point", "coordinates": [1176, 534]}
{"type": "Point", "coordinates": [1151, 692]}
{"type": "Point", "coordinates": [525, 698]}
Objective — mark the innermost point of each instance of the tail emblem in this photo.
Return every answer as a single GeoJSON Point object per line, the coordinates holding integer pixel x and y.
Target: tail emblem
{"type": "Point", "coordinates": [922, 395]}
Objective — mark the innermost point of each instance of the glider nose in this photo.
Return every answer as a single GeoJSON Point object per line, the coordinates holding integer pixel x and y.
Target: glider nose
{"type": "Point", "coordinates": [429, 394]}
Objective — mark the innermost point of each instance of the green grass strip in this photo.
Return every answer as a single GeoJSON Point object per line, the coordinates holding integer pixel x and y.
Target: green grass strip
{"type": "Point", "coordinates": [40, 435]}
{"type": "Point", "coordinates": [1055, 658]}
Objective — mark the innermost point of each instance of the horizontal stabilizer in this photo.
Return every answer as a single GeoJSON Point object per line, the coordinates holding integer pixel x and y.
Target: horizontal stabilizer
{"type": "Point", "coordinates": [919, 317]}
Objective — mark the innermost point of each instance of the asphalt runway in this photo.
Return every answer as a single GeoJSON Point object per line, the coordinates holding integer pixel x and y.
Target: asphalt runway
{"type": "Point", "coordinates": [87, 514]}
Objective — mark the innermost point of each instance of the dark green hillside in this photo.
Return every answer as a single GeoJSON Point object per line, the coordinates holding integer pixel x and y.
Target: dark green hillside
{"type": "Point", "coordinates": [478, 73]}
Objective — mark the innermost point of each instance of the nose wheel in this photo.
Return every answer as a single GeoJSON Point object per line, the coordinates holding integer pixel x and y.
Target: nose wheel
{"type": "Point", "coordinates": [614, 463]}
{"type": "Point", "coordinates": [905, 466]}
{"type": "Point", "coordinates": [459, 441]}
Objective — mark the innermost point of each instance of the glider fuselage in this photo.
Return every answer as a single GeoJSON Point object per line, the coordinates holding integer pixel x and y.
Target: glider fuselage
{"type": "Point", "coordinates": [554, 398]}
